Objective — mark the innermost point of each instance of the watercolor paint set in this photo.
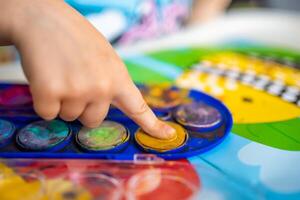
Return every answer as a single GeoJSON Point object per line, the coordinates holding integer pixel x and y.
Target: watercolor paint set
{"type": "Point", "coordinates": [201, 122]}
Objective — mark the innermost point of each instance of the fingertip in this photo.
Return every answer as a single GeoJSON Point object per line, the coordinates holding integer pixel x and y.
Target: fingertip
{"type": "Point", "coordinates": [48, 117]}
{"type": "Point", "coordinates": [167, 132]}
{"type": "Point", "coordinates": [91, 124]}
{"type": "Point", "coordinates": [94, 114]}
{"type": "Point", "coordinates": [46, 113]}
{"type": "Point", "coordinates": [160, 130]}
{"type": "Point", "coordinates": [67, 119]}
{"type": "Point", "coordinates": [47, 110]}
{"type": "Point", "coordinates": [131, 102]}
{"type": "Point", "coordinates": [88, 123]}
{"type": "Point", "coordinates": [170, 132]}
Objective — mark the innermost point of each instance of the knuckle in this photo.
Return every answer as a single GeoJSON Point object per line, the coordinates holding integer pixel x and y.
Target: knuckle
{"type": "Point", "coordinates": [103, 88]}
{"type": "Point", "coordinates": [75, 90]}
{"type": "Point", "coordinates": [45, 88]}
{"type": "Point", "coordinates": [51, 90]}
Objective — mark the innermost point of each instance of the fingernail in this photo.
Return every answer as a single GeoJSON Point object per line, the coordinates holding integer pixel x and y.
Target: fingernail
{"type": "Point", "coordinates": [169, 131]}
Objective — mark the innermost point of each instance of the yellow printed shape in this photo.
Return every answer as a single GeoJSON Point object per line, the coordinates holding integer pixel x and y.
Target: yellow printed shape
{"type": "Point", "coordinates": [247, 105]}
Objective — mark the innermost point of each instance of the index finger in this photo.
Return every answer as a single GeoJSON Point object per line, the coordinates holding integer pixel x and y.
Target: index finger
{"type": "Point", "coordinates": [131, 102]}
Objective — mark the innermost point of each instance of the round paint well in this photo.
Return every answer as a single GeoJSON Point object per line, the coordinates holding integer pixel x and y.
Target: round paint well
{"type": "Point", "coordinates": [198, 116]}
{"type": "Point", "coordinates": [162, 184]}
{"type": "Point", "coordinates": [44, 135]}
{"type": "Point", "coordinates": [163, 115]}
{"type": "Point", "coordinates": [162, 97]}
{"type": "Point", "coordinates": [15, 96]}
{"type": "Point", "coordinates": [16, 184]}
{"type": "Point", "coordinates": [85, 186]}
{"type": "Point", "coordinates": [152, 144]}
{"type": "Point", "coordinates": [109, 135]}
{"type": "Point", "coordinates": [7, 130]}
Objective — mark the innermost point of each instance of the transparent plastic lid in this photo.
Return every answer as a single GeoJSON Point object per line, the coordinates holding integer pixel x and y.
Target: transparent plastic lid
{"type": "Point", "coordinates": [146, 177]}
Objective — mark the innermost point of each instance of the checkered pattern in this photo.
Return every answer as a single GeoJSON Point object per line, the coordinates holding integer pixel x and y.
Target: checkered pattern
{"type": "Point", "coordinates": [288, 61]}
{"type": "Point", "coordinates": [260, 82]}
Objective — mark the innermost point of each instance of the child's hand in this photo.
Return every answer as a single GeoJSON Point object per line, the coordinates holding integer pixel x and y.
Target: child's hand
{"type": "Point", "coordinates": [72, 70]}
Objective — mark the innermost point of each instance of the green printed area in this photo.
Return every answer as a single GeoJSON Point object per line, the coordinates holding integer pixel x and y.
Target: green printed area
{"type": "Point", "coordinates": [283, 135]}
{"type": "Point", "coordinates": [183, 58]}
{"type": "Point", "coordinates": [143, 75]}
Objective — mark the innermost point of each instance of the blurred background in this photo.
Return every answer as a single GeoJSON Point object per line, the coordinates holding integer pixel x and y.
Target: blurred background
{"type": "Point", "coordinates": [134, 25]}
{"type": "Point", "coordinates": [291, 5]}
